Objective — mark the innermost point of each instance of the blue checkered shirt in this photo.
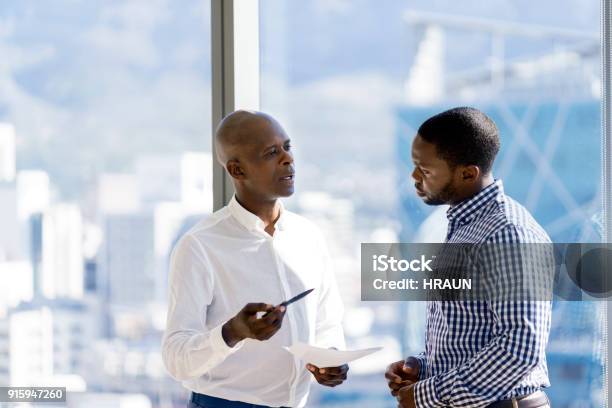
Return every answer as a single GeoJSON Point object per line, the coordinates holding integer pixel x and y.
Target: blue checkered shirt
{"type": "Point", "coordinates": [479, 352]}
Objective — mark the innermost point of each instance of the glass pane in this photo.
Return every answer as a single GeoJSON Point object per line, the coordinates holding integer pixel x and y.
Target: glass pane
{"type": "Point", "coordinates": [351, 81]}
{"type": "Point", "coordinates": [104, 161]}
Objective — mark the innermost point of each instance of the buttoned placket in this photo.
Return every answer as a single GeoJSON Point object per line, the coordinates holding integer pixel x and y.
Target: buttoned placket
{"type": "Point", "coordinates": [272, 241]}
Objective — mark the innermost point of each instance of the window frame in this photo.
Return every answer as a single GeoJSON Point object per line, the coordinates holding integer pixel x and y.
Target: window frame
{"type": "Point", "coordinates": [235, 85]}
{"type": "Point", "coordinates": [235, 73]}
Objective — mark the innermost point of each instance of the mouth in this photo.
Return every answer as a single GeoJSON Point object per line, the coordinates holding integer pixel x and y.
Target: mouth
{"type": "Point", "coordinates": [419, 192]}
{"type": "Point", "coordinates": [288, 178]}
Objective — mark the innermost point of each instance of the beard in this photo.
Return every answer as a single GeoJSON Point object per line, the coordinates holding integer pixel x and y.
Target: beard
{"type": "Point", "coordinates": [444, 196]}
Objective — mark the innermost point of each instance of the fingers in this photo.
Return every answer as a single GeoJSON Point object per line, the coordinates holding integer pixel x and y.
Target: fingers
{"type": "Point", "coordinates": [411, 367]}
{"type": "Point", "coordinates": [267, 326]}
{"type": "Point", "coordinates": [270, 319]}
{"type": "Point", "coordinates": [343, 369]}
{"type": "Point", "coordinates": [394, 372]}
{"type": "Point", "coordinates": [330, 383]}
{"type": "Point", "coordinates": [253, 308]}
{"type": "Point", "coordinates": [269, 331]}
{"type": "Point", "coordinates": [396, 377]}
{"type": "Point", "coordinates": [391, 376]}
{"type": "Point", "coordinates": [405, 396]}
{"type": "Point", "coordinates": [329, 376]}
{"type": "Point", "coordinates": [395, 387]}
{"type": "Point", "coordinates": [275, 314]}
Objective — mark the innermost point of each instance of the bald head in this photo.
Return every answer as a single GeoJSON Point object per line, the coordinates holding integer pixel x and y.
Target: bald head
{"type": "Point", "coordinates": [239, 130]}
{"type": "Point", "coordinates": [256, 152]}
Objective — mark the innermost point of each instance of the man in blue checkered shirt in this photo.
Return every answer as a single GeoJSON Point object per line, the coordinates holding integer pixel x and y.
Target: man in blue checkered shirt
{"type": "Point", "coordinates": [477, 353]}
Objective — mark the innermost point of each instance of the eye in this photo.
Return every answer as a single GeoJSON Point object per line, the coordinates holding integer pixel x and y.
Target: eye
{"type": "Point", "coordinates": [425, 172]}
{"type": "Point", "coordinates": [287, 147]}
{"type": "Point", "coordinates": [272, 152]}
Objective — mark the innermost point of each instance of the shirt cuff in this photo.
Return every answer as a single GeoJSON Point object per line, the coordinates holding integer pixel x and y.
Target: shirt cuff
{"type": "Point", "coordinates": [425, 394]}
{"type": "Point", "coordinates": [218, 344]}
{"type": "Point", "coordinates": [422, 367]}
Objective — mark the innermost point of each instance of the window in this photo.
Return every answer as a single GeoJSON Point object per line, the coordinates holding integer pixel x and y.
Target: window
{"type": "Point", "coordinates": [105, 158]}
{"type": "Point", "coordinates": [104, 135]}
{"type": "Point", "coordinates": [351, 82]}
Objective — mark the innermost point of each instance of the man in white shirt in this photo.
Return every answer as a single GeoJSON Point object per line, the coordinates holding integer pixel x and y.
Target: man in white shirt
{"type": "Point", "coordinates": [216, 341]}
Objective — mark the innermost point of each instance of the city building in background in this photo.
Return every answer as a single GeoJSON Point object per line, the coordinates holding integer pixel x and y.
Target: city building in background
{"type": "Point", "coordinates": [536, 75]}
{"type": "Point", "coordinates": [7, 152]}
{"type": "Point", "coordinates": [105, 161]}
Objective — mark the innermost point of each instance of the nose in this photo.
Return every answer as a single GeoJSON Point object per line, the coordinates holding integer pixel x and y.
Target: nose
{"type": "Point", "coordinates": [287, 158]}
{"type": "Point", "coordinates": [416, 175]}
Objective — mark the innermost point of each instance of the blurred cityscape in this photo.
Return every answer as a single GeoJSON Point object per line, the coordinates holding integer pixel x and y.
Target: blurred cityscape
{"type": "Point", "coordinates": [105, 162]}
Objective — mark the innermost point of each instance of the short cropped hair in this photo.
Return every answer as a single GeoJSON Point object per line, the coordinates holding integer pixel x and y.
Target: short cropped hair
{"type": "Point", "coordinates": [463, 136]}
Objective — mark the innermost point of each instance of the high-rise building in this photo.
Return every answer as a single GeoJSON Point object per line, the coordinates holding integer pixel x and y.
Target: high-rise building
{"type": "Point", "coordinates": [118, 193]}
{"type": "Point", "coordinates": [173, 178]}
{"type": "Point", "coordinates": [62, 252]}
{"type": "Point", "coordinates": [33, 192]}
{"type": "Point", "coordinates": [48, 339]}
{"type": "Point", "coordinates": [11, 247]}
{"type": "Point", "coordinates": [168, 219]}
{"type": "Point", "coordinates": [335, 217]}
{"type": "Point", "coordinates": [8, 155]}
{"type": "Point", "coordinates": [16, 284]}
{"type": "Point", "coordinates": [35, 244]}
{"type": "Point", "coordinates": [159, 178]}
{"type": "Point", "coordinates": [127, 259]}
{"type": "Point", "coordinates": [196, 181]}
{"type": "Point", "coordinates": [91, 276]}
{"type": "Point", "coordinates": [5, 358]}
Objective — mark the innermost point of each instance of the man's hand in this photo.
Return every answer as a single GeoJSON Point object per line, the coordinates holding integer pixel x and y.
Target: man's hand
{"type": "Point", "coordinates": [246, 324]}
{"type": "Point", "coordinates": [402, 373]}
{"type": "Point", "coordinates": [405, 397]}
{"type": "Point", "coordinates": [329, 376]}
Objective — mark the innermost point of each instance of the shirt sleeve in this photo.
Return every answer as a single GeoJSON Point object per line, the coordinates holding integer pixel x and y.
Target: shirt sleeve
{"type": "Point", "coordinates": [189, 349]}
{"type": "Point", "coordinates": [422, 359]}
{"type": "Point", "coordinates": [328, 331]}
{"type": "Point", "coordinates": [517, 345]}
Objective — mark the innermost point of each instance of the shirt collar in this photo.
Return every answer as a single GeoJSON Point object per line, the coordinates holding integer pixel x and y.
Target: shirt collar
{"type": "Point", "coordinates": [467, 210]}
{"type": "Point", "coordinates": [251, 221]}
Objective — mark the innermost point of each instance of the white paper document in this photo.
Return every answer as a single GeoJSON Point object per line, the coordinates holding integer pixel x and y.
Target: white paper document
{"type": "Point", "coordinates": [323, 357]}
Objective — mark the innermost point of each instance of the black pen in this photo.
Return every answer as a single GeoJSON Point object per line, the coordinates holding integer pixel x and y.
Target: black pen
{"type": "Point", "coordinates": [292, 300]}
{"type": "Point", "coordinates": [296, 298]}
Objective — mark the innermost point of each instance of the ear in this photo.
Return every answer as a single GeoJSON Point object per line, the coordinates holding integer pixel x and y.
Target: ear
{"type": "Point", "coordinates": [234, 169]}
{"type": "Point", "coordinates": [470, 173]}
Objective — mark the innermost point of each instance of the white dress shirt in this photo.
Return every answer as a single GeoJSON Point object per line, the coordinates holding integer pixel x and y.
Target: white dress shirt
{"type": "Point", "coordinates": [226, 261]}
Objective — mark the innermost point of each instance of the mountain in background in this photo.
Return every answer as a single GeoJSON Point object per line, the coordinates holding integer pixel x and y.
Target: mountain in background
{"type": "Point", "coordinates": [90, 85]}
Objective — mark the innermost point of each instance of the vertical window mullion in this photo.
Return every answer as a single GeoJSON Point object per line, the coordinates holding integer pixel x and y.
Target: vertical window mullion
{"type": "Point", "coordinates": [235, 72]}
{"type": "Point", "coordinates": [606, 164]}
